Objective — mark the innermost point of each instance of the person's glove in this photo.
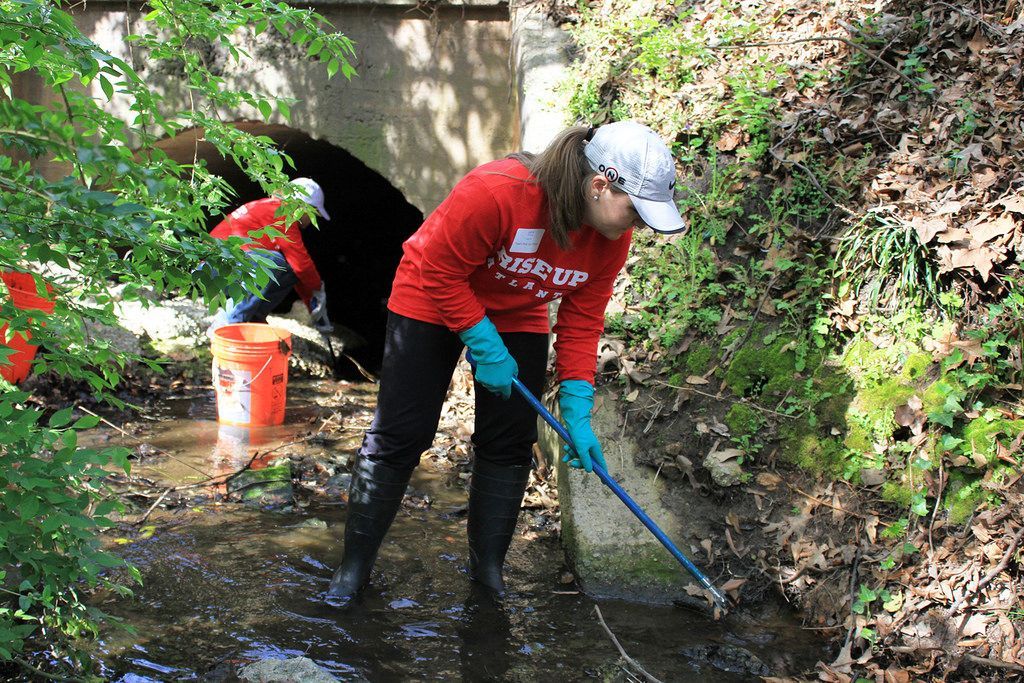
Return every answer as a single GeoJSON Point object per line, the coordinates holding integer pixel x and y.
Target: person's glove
{"type": "Point", "coordinates": [495, 368]}
{"type": "Point", "coordinates": [576, 399]}
{"type": "Point", "coordinates": [318, 311]}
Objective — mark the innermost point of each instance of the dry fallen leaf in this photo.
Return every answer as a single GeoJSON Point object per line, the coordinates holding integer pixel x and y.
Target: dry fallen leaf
{"type": "Point", "coordinates": [1014, 203]}
{"type": "Point", "coordinates": [927, 229]}
{"type": "Point", "coordinates": [985, 231]}
{"type": "Point", "coordinates": [730, 140]}
{"type": "Point", "coordinates": [769, 480]}
{"type": "Point", "coordinates": [871, 527]}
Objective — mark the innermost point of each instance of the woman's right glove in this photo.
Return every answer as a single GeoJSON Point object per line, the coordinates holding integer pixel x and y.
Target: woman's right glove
{"type": "Point", "coordinates": [318, 311]}
{"type": "Point", "coordinates": [495, 367]}
{"type": "Point", "coordinates": [576, 399]}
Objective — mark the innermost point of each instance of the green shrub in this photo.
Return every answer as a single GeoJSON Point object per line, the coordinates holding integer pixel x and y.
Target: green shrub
{"type": "Point", "coordinates": [128, 215]}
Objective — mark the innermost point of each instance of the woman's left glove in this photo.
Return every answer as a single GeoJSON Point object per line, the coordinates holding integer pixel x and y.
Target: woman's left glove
{"type": "Point", "coordinates": [576, 400]}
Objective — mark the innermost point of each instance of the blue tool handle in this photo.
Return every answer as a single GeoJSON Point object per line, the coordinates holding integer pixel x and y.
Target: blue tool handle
{"type": "Point", "coordinates": [625, 498]}
{"type": "Point", "coordinates": [560, 429]}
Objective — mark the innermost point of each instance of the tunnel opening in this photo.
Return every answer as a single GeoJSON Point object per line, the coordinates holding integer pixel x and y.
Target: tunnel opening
{"type": "Point", "coordinates": [356, 252]}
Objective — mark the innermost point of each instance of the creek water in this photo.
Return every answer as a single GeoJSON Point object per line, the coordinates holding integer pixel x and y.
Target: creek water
{"type": "Point", "coordinates": [228, 584]}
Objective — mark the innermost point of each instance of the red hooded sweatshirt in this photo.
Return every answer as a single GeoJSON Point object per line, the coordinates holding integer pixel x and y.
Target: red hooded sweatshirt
{"type": "Point", "coordinates": [486, 250]}
{"type": "Point", "coordinates": [259, 214]}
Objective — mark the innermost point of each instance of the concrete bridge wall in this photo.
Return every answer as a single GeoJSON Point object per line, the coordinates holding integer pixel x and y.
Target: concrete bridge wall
{"type": "Point", "coordinates": [434, 95]}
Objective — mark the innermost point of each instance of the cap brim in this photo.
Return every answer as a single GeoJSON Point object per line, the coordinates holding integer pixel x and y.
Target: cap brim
{"type": "Point", "coordinates": [323, 212]}
{"type": "Point", "coordinates": [661, 217]}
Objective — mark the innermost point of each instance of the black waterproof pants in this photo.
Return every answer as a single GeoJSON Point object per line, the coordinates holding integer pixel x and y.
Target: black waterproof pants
{"type": "Point", "coordinates": [419, 359]}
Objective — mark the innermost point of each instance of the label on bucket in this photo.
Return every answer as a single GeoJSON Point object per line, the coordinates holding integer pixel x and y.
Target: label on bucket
{"type": "Point", "coordinates": [234, 397]}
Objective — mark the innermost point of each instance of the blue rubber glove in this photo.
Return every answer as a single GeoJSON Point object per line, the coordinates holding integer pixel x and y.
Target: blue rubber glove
{"type": "Point", "coordinates": [495, 368]}
{"type": "Point", "coordinates": [576, 399]}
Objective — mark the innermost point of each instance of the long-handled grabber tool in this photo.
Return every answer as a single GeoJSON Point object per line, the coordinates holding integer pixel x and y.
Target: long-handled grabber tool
{"type": "Point", "coordinates": [716, 594]}
{"type": "Point", "coordinates": [334, 359]}
{"type": "Point", "coordinates": [336, 371]}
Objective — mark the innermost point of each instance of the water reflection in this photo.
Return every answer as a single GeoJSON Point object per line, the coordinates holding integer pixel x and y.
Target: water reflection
{"type": "Point", "coordinates": [230, 583]}
{"type": "Point", "coordinates": [486, 634]}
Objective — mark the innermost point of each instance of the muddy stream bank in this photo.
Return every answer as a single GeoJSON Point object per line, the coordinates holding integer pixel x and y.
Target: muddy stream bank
{"type": "Point", "coordinates": [227, 583]}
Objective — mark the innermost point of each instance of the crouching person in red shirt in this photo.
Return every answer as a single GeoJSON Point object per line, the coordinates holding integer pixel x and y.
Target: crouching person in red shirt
{"type": "Point", "coordinates": [293, 268]}
{"type": "Point", "coordinates": [513, 236]}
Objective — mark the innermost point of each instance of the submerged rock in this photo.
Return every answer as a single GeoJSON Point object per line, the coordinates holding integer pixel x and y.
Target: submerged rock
{"type": "Point", "coordinates": [728, 658]}
{"type": "Point", "coordinates": [285, 671]}
{"type": "Point", "coordinates": [270, 486]}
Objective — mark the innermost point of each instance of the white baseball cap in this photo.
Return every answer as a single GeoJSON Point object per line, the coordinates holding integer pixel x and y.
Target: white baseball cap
{"type": "Point", "coordinates": [636, 160]}
{"type": "Point", "coordinates": [310, 192]}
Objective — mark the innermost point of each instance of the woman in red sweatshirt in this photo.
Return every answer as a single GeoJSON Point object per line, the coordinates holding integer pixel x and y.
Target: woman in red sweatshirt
{"type": "Point", "coordinates": [513, 236]}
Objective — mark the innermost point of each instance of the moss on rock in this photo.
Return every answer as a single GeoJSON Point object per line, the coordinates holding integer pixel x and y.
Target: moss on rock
{"type": "Point", "coordinates": [982, 434]}
{"type": "Point", "coordinates": [916, 366]}
{"type": "Point", "coordinates": [757, 370]}
{"type": "Point", "coordinates": [885, 397]}
{"type": "Point", "coordinates": [963, 495]}
{"type": "Point", "coordinates": [696, 360]}
{"type": "Point", "coordinates": [803, 446]}
{"type": "Point", "coordinates": [897, 493]}
{"type": "Point", "coordinates": [743, 420]}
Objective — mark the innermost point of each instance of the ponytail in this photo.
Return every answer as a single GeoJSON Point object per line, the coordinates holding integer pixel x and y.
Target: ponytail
{"type": "Point", "coordinates": [563, 173]}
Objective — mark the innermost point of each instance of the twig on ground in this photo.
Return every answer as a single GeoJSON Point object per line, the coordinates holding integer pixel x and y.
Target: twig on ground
{"type": "Point", "coordinates": [152, 507]}
{"type": "Point", "coordinates": [814, 180]}
{"type": "Point", "coordinates": [107, 422]}
{"type": "Point", "coordinates": [630, 676]}
{"type": "Point", "coordinates": [721, 398]}
{"type": "Point", "coordinates": [615, 641]}
{"type": "Point", "coordinates": [238, 473]}
{"type": "Point", "coordinates": [853, 597]}
{"type": "Point", "coordinates": [995, 663]}
{"type": "Point", "coordinates": [261, 482]}
{"type": "Point", "coordinates": [140, 442]}
{"type": "Point", "coordinates": [741, 341]}
{"type": "Point", "coordinates": [996, 30]}
{"type": "Point", "coordinates": [819, 501]}
{"type": "Point", "coordinates": [935, 510]}
{"type": "Point", "coordinates": [993, 573]}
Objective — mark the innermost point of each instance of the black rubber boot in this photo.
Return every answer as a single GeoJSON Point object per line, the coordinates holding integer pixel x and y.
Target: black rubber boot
{"type": "Point", "coordinates": [495, 496]}
{"type": "Point", "coordinates": [375, 494]}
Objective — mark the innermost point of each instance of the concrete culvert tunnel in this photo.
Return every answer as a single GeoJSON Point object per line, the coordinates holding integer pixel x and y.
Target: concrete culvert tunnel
{"type": "Point", "coordinates": [357, 251]}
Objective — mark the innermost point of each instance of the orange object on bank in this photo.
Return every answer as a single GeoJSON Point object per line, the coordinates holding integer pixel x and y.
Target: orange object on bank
{"type": "Point", "coordinates": [21, 289]}
{"type": "Point", "coordinates": [250, 373]}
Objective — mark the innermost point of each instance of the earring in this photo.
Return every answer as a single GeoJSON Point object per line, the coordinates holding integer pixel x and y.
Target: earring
{"type": "Point", "coordinates": [595, 197]}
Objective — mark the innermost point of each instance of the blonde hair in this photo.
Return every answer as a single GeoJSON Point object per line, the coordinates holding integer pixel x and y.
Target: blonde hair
{"type": "Point", "coordinates": [563, 173]}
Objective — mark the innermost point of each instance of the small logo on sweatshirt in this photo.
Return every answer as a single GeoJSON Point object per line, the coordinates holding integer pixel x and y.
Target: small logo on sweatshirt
{"type": "Point", "coordinates": [527, 240]}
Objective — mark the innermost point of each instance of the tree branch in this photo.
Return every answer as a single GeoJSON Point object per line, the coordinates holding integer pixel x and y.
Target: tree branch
{"type": "Point", "coordinates": [629, 660]}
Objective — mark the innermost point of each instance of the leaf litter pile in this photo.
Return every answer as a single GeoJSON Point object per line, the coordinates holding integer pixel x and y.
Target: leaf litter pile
{"type": "Point", "coordinates": [905, 120]}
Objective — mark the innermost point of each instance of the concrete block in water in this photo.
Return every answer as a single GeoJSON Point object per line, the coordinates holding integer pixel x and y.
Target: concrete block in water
{"type": "Point", "coordinates": [609, 549]}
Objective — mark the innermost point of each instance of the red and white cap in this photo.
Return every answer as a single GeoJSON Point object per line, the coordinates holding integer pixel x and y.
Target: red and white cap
{"type": "Point", "coordinates": [636, 160]}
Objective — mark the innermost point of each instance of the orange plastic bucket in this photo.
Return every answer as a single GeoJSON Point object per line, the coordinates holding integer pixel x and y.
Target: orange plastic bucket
{"type": "Point", "coordinates": [250, 373]}
{"type": "Point", "coordinates": [21, 287]}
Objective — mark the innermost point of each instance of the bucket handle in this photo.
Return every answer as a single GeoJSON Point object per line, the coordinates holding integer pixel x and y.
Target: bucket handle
{"type": "Point", "coordinates": [257, 375]}
{"type": "Point", "coordinates": [283, 347]}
